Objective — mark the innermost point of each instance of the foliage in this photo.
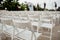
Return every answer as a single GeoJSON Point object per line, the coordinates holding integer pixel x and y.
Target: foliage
{"type": "Point", "coordinates": [14, 5]}
{"type": "Point", "coordinates": [10, 5]}
{"type": "Point", "coordinates": [23, 6]}
{"type": "Point", "coordinates": [9, 0]}
{"type": "Point", "coordinates": [0, 1]}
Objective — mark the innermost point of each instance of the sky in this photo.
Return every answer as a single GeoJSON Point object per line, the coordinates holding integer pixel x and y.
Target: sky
{"type": "Point", "coordinates": [49, 3]}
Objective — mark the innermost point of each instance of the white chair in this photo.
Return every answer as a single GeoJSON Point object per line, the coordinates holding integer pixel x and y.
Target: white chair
{"type": "Point", "coordinates": [55, 18]}
{"type": "Point", "coordinates": [47, 22]}
{"type": "Point", "coordinates": [7, 25]}
{"type": "Point", "coordinates": [34, 19]}
{"type": "Point", "coordinates": [24, 31]}
{"type": "Point", "coordinates": [23, 17]}
{"type": "Point", "coordinates": [6, 20]}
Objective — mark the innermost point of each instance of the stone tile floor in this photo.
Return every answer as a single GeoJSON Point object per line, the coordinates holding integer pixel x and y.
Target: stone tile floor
{"type": "Point", "coordinates": [56, 34]}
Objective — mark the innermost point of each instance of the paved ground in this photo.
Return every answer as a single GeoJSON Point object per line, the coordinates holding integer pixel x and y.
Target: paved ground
{"type": "Point", "coordinates": [56, 34]}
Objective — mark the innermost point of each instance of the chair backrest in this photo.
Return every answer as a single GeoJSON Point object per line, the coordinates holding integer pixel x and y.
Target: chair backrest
{"type": "Point", "coordinates": [46, 20]}
{"type": "Point", "coordinates": [6, 20]}
{"type": "Point", "coordinates": [23, 16]}
{"type": "Point", "coordinates": [34, 18]}
{"type": "Point", "coordinates": [21, 24]}
{"type": "Point", "coordinates": [46, 17]}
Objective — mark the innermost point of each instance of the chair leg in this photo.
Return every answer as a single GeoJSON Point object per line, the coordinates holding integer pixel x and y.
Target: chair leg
{"type": "Point", "coordinates": [0, 37]}
{"type": "Point", "coordinates": [35, 36]}
{"type": "Point", "coordinates": [48, 29]}
{"type": "Point", "coordinates": [2, 27]}
{"type": "Point", "coordinates": [37, 29]}
{"type": "Point", "coordinates": [12, 37]}
{"type": "Point", "coordinates": [32, 36]}
{"type": "Point", "coordinates": [51, 35]}
{"type": "Point", "coordinates": [13, 33]}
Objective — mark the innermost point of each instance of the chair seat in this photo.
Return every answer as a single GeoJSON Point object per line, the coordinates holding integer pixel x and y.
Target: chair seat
{"type": "Point", "coordinates": [46, 20]}
{"type": "Point", "coordinates": [46, 25]}
{"type": "Point", "coordinates": [25, 18]}
{"type": "Point", "coordinates": [5, 18]}
{"type": "Point", "coordinates": [34, 19]}
{"type": "Point", "coordinates": [35, 23]}
{"type": "Point", "coordinates": [20, 21]}
{"type": "Point", "coordinates": [27, 35]}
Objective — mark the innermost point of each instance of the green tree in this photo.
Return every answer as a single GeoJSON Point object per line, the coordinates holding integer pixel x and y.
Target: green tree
{"type": "Point", "coordinates": [0, 1]}
{"type": "Point", "coordinates": [10, 5]}
{"type": "Point", "coordinates": [23, 6]}
{"type": "Point", "coordinates": [8, 0]}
